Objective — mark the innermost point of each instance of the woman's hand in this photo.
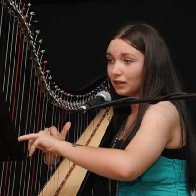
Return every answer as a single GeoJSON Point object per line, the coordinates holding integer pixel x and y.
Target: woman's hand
{"type": "Point", "coordinates": [52, 158]}
{"type": "Point", "coordinates": [45, 140]}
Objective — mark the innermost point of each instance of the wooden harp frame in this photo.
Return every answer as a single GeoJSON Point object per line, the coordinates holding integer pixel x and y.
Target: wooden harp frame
{"type": "Point", "coordinates": [22, 177]}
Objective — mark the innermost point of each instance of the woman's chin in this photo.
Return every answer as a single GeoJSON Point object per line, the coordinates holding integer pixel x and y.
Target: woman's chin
{"type": "Point", "coordinates": [121, 92]}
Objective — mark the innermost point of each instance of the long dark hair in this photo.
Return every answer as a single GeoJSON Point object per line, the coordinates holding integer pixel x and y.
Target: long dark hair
{"type": "Point", "coordinates": [160, 78]}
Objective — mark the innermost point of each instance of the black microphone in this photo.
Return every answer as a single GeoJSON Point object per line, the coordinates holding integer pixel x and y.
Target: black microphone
{"type": "Point", "coordinates": [101, 97]}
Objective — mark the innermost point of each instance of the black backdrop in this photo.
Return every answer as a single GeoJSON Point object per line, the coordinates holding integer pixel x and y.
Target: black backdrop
{"type": "Point", "coordinates": [75, 35]}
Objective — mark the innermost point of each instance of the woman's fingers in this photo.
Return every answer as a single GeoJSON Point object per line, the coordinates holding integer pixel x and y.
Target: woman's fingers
{"type": "Point", "coordinates": [43, 139]}
{"type": "Point", "coordinates": [33, 147]}
{"type": "Point", "coordinates": [53, 131]}
{"type": "Point", "coordinates": [65, 129]}
{"type": "Point", "coordinates": [30, 143]}
{"type": "Point", "coordinates": [27, 137]}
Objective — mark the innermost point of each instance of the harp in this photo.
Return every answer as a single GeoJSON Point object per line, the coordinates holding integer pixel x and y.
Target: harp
{"type": "Point", "coordinates": [31, 100]}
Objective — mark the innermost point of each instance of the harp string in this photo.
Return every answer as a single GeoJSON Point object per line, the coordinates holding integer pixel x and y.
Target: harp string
{"type": "Point", "coordinates": [68, 172]}
{"type": "Point", "coordinates": [8, 165]}
{"type": "Point", "coordinates": [34, 100]}
{"type": "Point", "coordinates": [14, 102]}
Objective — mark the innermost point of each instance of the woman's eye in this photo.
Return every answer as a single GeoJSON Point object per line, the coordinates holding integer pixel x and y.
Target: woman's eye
{"type": "Point", "coordinates": [128, 61]}
{"type": "Point", "coordinates": [110, 61]}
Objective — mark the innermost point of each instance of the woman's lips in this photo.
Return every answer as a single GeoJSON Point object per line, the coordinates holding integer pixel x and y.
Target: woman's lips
{"type": "Point", "coordinates": [119, 83]}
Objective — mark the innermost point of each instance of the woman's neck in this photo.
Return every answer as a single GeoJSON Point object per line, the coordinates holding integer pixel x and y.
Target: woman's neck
{"type": "Point", "coordinates": [130, 119]}
{"type": "Point", "coordinates": [134, 109]}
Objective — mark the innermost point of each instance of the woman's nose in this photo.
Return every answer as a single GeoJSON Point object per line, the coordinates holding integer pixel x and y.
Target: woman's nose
{"type": "Point", "coordinates": [116, 69]}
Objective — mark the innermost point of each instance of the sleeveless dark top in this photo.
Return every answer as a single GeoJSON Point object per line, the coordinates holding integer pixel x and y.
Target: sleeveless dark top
{"type": "Point", "coordinates": [179, 153]}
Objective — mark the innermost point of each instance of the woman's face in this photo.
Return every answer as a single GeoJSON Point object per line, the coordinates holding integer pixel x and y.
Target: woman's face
{"type": "Point", "coordinates": [125, 68]}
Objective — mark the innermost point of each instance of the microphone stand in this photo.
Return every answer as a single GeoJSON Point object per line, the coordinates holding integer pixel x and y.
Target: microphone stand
{"type": "Point", "coordinates": [134, 100]}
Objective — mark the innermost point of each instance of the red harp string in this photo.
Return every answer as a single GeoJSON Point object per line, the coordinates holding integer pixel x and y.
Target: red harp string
{"type": "Point", "coordinates": [30, 100]}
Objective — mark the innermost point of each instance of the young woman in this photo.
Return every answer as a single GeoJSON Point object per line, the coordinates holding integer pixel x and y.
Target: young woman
{"type": "Point", "coordinates": [153, 152]}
